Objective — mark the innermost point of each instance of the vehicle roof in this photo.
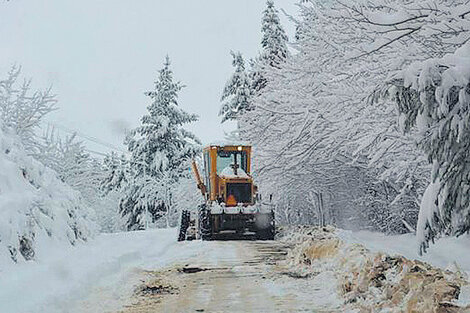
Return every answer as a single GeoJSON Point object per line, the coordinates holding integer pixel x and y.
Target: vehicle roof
{"type": "Point", "coordinates": [227, 146]}
{"type": "Point", "coordinates": [229, 143]}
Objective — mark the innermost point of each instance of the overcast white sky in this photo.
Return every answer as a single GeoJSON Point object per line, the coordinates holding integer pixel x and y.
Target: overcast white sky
{"type": "Point", "coordinates": [101, 55]}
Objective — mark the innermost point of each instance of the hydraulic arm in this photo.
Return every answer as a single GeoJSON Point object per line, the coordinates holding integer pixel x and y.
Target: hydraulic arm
{"type": "Point", "coordinates": [197, 176]}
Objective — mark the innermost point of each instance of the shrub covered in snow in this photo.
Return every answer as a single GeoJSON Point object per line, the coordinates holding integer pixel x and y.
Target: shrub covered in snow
{"type": "Point", "coordinates": [37, 208]}
{"type": "Point", "coordinates": [23, 109]}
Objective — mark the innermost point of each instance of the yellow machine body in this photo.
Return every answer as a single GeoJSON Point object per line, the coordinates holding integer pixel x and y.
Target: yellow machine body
{"type": "Point", "coordinates": [230, 197]}
{"type": "Point", "coordinates": [217, 182]}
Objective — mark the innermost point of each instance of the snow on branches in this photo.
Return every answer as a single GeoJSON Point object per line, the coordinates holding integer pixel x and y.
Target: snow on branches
{"type": "Point", "coordinates": [160, 151]}
{"type": "Point", "coordinates": [434, 95]}
{"type": "Point", "coordinates": [429, 27]}
{"type": "Point", "coordinates": [22, 109]}
{"type": "Point", "coordinates": [38, 209]}
{"type": "Point", "coordinates": [237, 93]}
{"type": "Point", "coordinates": [320, 122]}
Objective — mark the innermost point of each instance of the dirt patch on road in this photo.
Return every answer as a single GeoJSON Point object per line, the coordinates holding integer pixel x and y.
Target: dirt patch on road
{"type": "Point", "coordinates": [154, 288]}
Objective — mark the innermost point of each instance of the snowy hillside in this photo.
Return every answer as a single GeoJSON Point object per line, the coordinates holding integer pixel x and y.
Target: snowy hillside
{"type": "Point", "coordinates": [38, 209]}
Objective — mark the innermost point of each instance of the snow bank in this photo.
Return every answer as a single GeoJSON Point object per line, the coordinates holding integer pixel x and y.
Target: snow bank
{"type": "Point", "coordinates": [447, 252]}
{"type": "Point", "coordinates": [375, 281]}
{"type": "Point", "coordinates": [37, 209]}
{"type": "Point", "coordinates": [97, 277]}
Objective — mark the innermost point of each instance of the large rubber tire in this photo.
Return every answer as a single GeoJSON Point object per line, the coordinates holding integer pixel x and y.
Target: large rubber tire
{"type": "Point", "coordinates": [204, 224]}
{"type": "Point", "coordinates": [184, 224]}
{"type": "Point", "coordinates": [268, 233]}
{"type": "Point", "coordinates": [272, 229]}
{"type": "Point", "coordinates": [265, 234]}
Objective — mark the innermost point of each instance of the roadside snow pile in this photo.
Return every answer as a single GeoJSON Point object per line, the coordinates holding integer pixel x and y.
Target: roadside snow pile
{"type": "Point", "coordinates": [37, 209]}
{"type": "Point", "coordinates": [99, 276]}
{"type": "Point", "coordinates": [375, 282]}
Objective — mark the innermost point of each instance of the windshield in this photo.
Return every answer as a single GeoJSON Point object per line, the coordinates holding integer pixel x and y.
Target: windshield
{"type": "Point", "coordinates": [227, 158]}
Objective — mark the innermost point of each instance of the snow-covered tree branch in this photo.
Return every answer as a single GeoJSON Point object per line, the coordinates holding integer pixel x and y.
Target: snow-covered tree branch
{"type": "Point", "coordinates": [22, 109]}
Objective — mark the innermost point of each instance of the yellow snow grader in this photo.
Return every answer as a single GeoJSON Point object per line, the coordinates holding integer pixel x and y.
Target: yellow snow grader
{"type": "Point", "coordinates": [231, 208]}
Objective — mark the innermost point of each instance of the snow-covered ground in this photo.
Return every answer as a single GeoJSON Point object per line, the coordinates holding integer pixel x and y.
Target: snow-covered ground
{"type": "Point", "coordinates": [370, 273]}
{"type": "Point", "coordinates": [447, 252]}
{"type": "Point", "coordinates": [101, 275]}
{"type": "Point", "coordinates": [104, 268]}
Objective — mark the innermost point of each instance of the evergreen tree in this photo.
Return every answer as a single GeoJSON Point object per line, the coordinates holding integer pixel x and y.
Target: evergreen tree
{"type": "Point", "coordinates": [117, 173]}
{"type": "Point", "coordinates": [274, 46]}
{"type": "Point", "coordinates": [237, 92]}
{"type": "Point", "coordinates": [274, 40]}
{"type": "Point", "coordinates": [160, 149]}
{"type": "Point", "coordinates": [434, 96]}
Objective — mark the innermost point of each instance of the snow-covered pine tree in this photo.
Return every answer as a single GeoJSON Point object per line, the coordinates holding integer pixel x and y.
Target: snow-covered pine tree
{"type": "Point", "coordinates": [274, 46]}
{"type": "Point", "coordinates": [237, 92]}
{"type": "Point", "coordinates": [274, 40]}
{"type": "Point", "coordinates": [117, 173]}
{"type": "Point", "coordinates": [434, 95]}
{"type": "Point", "coordinates": [160, 149]}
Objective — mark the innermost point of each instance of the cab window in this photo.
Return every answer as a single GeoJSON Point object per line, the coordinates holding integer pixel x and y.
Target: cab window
{"type": "Point", "coordinates": [227, 158]}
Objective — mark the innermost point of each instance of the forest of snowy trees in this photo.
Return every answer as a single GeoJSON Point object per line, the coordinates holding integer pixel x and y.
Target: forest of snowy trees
{"type": "Point", "coordinates": [55, 190]}
{"type": "Point", "coordinates": [363, 114]}
{"type": "Point", "coordinates": [361, 120]}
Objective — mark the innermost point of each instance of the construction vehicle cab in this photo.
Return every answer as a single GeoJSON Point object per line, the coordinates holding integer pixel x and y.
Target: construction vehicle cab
{"type": "Point", "coordinates": [226, 170]}
{"type": "Point", "coordinates": [230, 208]}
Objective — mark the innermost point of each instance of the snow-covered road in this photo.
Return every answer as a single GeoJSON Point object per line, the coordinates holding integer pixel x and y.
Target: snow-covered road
{"type": "Point", "coordinates": [234, 276]}
{"type": "Point", "coordinates": [106, 274]}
